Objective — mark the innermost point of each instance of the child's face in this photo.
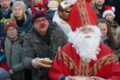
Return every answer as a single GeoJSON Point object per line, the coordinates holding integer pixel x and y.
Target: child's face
{"type": "Point", "coordinates": [109, 17]}
{"type": "Point", "coordinates": [12, 32]}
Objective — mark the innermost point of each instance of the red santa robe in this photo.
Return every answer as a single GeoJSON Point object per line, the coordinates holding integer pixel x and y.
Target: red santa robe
{"type": "Point", "coordinates": [68, 63]}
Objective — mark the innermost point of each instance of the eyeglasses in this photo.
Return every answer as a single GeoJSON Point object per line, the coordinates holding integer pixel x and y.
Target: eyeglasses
{"type": "Point", "coordinates": [38, 21]}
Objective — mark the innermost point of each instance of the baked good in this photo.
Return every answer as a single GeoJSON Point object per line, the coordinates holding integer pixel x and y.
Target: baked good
{"type": "Point", "coordinates": [46, 61]}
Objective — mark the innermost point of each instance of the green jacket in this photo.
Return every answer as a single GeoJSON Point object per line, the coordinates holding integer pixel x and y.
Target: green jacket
{"type": "Point", "coordinates": [13, 55]}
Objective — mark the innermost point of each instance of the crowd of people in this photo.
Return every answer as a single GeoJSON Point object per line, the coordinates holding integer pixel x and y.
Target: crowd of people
{"type": "Point", "coordinates": [59, 40]}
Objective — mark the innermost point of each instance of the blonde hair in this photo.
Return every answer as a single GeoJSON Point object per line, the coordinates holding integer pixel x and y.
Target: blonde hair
{"type": "Point", "coordinates": [21, 4]}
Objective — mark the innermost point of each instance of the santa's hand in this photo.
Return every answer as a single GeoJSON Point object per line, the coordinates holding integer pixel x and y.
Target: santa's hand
{"type": "Point", "coordinates": [68, 78]}
{"type": "Point", "coordinates": [34, 63]}
{"type": "Point", "coordinates": [97, 78]}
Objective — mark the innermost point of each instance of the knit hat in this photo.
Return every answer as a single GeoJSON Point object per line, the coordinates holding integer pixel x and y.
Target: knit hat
{"type": "Point", "coordinates": [67, 3]}
{"type": "Point", "coordinates": [3, 74]}
{"type": "Point", "coordinates": [53, 5]}
{"type": "Point", "coordinates": [38, 11]}
{"type": "Point", "coordinates": [109, 10]}
{"type": "Point", "coordinates": [38, 7]}
{"type": "Point", "coordinates": [38, 14]}
{"type": "Point", "coordinates": [21, 4]}
{"type": "Point", "coordinates": [10, 23]}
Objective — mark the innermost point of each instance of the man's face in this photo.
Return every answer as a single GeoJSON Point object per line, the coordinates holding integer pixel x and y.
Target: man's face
{"type": "Point", "coordinates": [65, 13]}
{"type": "Point", "coordinates": [5, 3]}
{"type": "Point", "coordinates": [18, 11]}
{"type": "Point", "coordinates": [12, 32]}
{"type": "Point", "coordinates": [41, 25]}
{"type": "Point", "coordinates": [99, 2]}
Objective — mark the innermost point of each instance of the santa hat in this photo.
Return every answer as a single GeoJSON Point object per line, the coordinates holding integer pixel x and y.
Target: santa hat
{"type": "Point", "coordinates": [10, 23]}
{"type": "Point", "coordinates": [67, 3]}
{"type": "Point", "coordinates": [53, 5]}
{"type": "Point", "coordinates": [109, 10]}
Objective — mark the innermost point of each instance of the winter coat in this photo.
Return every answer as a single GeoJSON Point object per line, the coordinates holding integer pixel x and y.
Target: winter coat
{"type": "Point", "coordinates": [34, 47]}
{"type": "Point", "coordinates": [13, 55]}
{"type": "Point", "coordinates": [6, 14]}
{"type": "Point", "coordinates": [2, 55]}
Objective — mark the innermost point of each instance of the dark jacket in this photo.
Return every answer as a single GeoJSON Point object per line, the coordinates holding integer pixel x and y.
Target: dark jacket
{"type": "Point", "coordinates": [25, 24]}
{"type": "Point", "coordinates": [6, 14]}
{"type": "Point", "coordinates": [34, 47]}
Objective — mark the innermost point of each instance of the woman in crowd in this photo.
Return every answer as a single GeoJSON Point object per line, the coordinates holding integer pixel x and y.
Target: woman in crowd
{"type": "Point", "coordinates": [13, 45]}
{"type": "Point", "coordinates": [107, 36]}
{"type": "Point", "coordinates": [21, 16]}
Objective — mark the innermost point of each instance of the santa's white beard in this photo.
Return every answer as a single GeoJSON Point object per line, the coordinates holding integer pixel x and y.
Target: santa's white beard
{"type": "Point", "coordinates": [86, 45]}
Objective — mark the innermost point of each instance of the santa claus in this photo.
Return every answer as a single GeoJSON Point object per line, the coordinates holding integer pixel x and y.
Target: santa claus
{"type": "Point", "coordinates": [85, 57]}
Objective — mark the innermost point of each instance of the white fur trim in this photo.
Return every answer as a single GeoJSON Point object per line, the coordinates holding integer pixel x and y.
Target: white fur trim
{"type": "Point", "coordinates": [113, 8]}
{"type": "Point", "coordinates": [108, 12]}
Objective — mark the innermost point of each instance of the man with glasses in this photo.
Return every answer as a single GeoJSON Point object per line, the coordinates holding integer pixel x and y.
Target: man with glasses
{"type": "Point", "coordinates": [6, 8]}
{"type": "Point", "coordinates": [61, 16]}
{"type": "Point", "coordinates": [42, 44]}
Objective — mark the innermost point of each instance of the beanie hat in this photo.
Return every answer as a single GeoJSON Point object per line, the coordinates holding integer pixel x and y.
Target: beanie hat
{"type": "Point", "coordinates": [10, 23]}
{"type": "Point", "coordinates": [38, 10]}
{"type": "Point", "coordinates": [109, 10]}
{"type": "Point", "coordinates": [38, 7]}
{"type": "Point", "coordinates": [38, 14]}
{"type": "Point", "coordinates": [4, 74]}
{"type": "Point", "coordinates": [67, 3]}
{"type": "Point", "coordinates": [21, 4]}
{"type": "Point", "coordinates": [53, 5]}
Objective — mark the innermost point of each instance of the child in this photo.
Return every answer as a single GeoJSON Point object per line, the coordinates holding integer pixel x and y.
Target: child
{"type": "Point", "coordinates": [109, 16]}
